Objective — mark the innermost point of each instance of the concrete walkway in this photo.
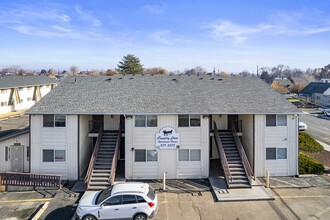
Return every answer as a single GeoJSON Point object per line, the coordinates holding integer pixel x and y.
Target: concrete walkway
{"type": "Point", "coordinates": [326, 146]}
{"type": "Point", "coordinates": [303, 181]}
{"type": "Point", "coordinates": [223, 194]}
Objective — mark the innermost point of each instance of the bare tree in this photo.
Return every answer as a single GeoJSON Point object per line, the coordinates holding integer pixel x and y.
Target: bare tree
{"type": "Point", "coordinates": [74, 70]}
{"type": "Point", "coordinates": [155, 70]}
{"type": "Point", "coordinates": [111, 72]}
{"type": "Point", "coordinates": [51, 72]}
{"type": "Point", "coordinates": [199, 70]}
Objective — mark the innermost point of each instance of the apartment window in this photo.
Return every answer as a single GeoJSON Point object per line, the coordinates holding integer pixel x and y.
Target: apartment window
{"type": "Point", "coordinates": [54, 120]}
{"type": "Point", "coordinates": [3, 91]}
{"type": "Point", "coordinates": [189, 155]}
{"type": "Point", "coordinates": [189, 121]}
{"type": "Point", "coordinates": [29, 99]}
{"type": "Point", "coordinates": [29, 88]}
{"type": "Point", "coordinates": [47, 86]}
{"type": "Point", "coordinates": [274, 153]}
{"type": "Point", "coordinates": [20, 100]}
{"type": "Point", "coordinates": [4, 103]}
{"type": "Point", "coordinates": [146, 121]}
{"type": "Point", "coordinates": [276, 120]}
{"type": "Point", "coordinates": [20, 88]}
{"type": "Point", "coordinates": [7, 153]}
{"type": "Point", "coordinates": [142, 155]}
{"type": "Point", "coordinates": [318, 98]}
{"type": "Point", "coordinates": [51, 155]}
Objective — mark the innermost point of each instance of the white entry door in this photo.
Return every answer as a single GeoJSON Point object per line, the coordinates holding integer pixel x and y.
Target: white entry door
{"type": "Point", "coordinates": [168, 163]}
{"type": "Point", "coordinates": [17, 158]}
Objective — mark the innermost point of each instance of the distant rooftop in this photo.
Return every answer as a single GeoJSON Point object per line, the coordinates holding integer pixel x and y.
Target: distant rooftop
{"type": "Point", "coordinates": [14, 126]}
{"type": "Point", "coordinates": [162, 94]}
{"type": "Point", "coordinates": [7, 82]}
{"type": "Point", "coordinates": [315, 87]}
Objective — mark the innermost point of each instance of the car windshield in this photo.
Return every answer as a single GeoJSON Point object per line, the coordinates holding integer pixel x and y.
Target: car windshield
{"type": "Point", "coordinates": [151, 193]}
{"type": "Point", "coordinates": [103, 195]}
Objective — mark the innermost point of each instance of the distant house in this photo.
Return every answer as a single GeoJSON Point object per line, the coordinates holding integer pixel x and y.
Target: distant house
{"type": "Point", "coordinates": [22, 92]}
{"type": "Point", "coordinates": [14, 145]}
{"type": "Point", "coordinates": [317, 93]}
{"type": "Point", "coordinates": [174, 124]}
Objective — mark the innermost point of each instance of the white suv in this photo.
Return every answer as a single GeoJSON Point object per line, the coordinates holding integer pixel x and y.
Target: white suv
{"type": "Point", "coordinates": [131, 200]}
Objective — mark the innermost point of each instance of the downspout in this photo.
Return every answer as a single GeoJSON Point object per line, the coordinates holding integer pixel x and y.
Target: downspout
{"type": "Point", "coordinates": [30, 144]}
{"type": "Point", "coordinates": [78, 146]}
{"type": "Point", "coordinates": [254, 147]}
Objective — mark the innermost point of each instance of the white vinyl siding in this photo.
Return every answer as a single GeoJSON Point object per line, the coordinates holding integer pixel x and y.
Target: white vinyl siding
{"type": "Point", "coordinates": [55, 138]}
{"type": "Point", "coordinates": [276, 137]}
{"type": "Point", "coordinates": [5, 165]}
{"type": "Point", "coordinates": [143, 138]}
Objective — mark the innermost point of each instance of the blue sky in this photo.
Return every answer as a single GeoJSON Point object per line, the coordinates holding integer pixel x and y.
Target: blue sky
{"type": "Point", "coordinates": [229, 35]}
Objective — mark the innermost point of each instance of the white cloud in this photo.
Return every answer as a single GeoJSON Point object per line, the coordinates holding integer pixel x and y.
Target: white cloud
{"type": "Point", "coordinates": [154, 9]}
{"type": "Point", "coordinates": [237, 33]}
{"type": "Point", "coordinates": [88, 17]}
{"type": "Point", "coordinates": [166, 37]}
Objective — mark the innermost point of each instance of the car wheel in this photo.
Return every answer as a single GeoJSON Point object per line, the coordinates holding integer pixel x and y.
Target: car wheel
{"type": "Point", "coordinates": [89, 217]}
{"type": "Point", "coordinates": [140, 216]}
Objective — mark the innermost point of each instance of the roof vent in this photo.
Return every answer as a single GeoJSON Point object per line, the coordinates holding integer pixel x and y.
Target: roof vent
{"type": "Point", "coordinates": [109, 79]}
{"type": "Point", "coordinates": [200, 78]}
{"type": "Point", "coordinates": [131, 78]}
{"type": "Point", "coordinates": [174, 79]}
{"type": "Point", "coordinates": [120, 78]}
{"type": "Point", "coordinates": [212, 78]}
{"type": "Point", "coordinates": [219, 79]}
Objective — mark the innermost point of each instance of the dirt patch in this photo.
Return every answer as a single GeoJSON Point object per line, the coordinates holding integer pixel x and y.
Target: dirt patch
{"type": "Point", "coordinates": [323, 157]}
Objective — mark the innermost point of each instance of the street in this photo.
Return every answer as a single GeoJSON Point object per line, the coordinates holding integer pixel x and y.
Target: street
{"type": "Point", "coordinates": [318, 125]}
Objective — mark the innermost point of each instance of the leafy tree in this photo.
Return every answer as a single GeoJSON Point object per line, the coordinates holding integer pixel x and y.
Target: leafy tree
{"type": "Point", "coordinates": [130, 64]}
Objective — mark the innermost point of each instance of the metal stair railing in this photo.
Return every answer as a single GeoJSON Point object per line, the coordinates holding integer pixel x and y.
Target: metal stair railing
{"type": "Point", "coordinates": [222, 155]}
{"type": "Point", "coordinates": [245, 161]}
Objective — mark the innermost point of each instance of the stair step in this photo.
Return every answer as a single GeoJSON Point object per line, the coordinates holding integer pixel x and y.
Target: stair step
{"type": "Point", "coordinates": [99, 179]}
{"type": "Point", "coordinates": [234, 162]}
{"type": "Point", "coordinates": [234, 169]}
{"type": "Point", "coordinates": [239, 178]}
{"type": "Point", "coordinates": [239, 185]}
{"type": "Point", "coordinates": [102, 166]}
{"type": "Point", "coordinates": [100, 174]}
{"type": "Point", "coordinates": [237, 173]}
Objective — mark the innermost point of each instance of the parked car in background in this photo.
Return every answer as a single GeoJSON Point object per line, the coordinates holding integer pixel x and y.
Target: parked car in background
{"type": "Point", "coordinates": [302, 126]}
{"type": "Point", "coordinates": [130, 200]}
{"type": "Point", "coordinates": [327, 113]}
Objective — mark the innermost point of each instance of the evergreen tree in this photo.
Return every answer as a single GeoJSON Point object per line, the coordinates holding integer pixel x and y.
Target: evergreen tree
{"type": "Point", "coordinates": [130, 64]}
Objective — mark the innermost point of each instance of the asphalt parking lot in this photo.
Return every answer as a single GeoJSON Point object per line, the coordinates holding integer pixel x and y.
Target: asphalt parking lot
{"type": "Point", "coordinates": [295, 200]}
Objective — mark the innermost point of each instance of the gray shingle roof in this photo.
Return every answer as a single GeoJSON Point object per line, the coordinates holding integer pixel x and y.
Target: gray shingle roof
{"type": "Point", "coordinates": [21, 81]}
{"type": "Point", "coordinates": [315, 87]}
{"type": "Point", "coordinates": [162, 94]}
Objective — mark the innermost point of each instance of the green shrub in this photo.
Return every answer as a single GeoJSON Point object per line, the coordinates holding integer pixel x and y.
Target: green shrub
{"type": "Point", "coordinates": [308, 143]}
{"type": "Point", "coordinates": [308, 165]}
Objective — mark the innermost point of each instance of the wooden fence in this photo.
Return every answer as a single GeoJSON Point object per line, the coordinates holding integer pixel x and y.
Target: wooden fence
{"type": "Point", "coordinates": [29, 179]}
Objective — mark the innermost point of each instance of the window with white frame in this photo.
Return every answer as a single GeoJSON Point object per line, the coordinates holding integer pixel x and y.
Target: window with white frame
{"type": "Point", "coordinates": [20, 88]}
{"type": "Point", "coordinates": [3, 91]}
{"type": "Point", "coordinates": [146, 121]}
{"type": "Point", "coordinates": [189, 155]}
{"type": "Point", "coordinates": [20, 100]}
{"type": "Point", "coordinates": [276, 120]}
{"type": "Point", "coordinates": [51, 155]}
{"type": "Point", "coordinates": [29, 99]}
{"type": "Point", "coordinates": [54, 120]}
{"type": "Point", "coordinates": [189, 120]}
{"type": "Point", "coordinates": [5, 103]}
{"type": "Point", "coordinates": [273, 153]}
{"type": "Point", "coordinates": [29, 88]}
{"type": "Point", "coordinates": [143, 155]}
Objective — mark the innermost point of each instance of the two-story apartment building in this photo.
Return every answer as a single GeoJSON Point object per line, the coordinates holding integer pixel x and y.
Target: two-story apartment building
{"type": "Point", "coordinates": [167, 124]}
{"type": "Point", "coordinates": [21, 92]}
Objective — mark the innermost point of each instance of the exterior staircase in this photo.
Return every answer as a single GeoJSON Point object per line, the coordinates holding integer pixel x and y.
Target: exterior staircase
{"type": "Point", "coordinates": [236, 168]}
{"type": "Point", "coordinates": [102, 168]}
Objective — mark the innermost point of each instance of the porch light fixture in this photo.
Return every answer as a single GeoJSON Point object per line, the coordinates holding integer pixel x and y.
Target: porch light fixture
{"type": "Point", "coordinates": [132, 149]}
{"type": "Point", "coordinates": [129, 116]}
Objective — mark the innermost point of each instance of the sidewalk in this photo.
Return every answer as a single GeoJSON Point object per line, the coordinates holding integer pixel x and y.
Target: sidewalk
{"type": "Point", "coordinates": [326, 146]}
